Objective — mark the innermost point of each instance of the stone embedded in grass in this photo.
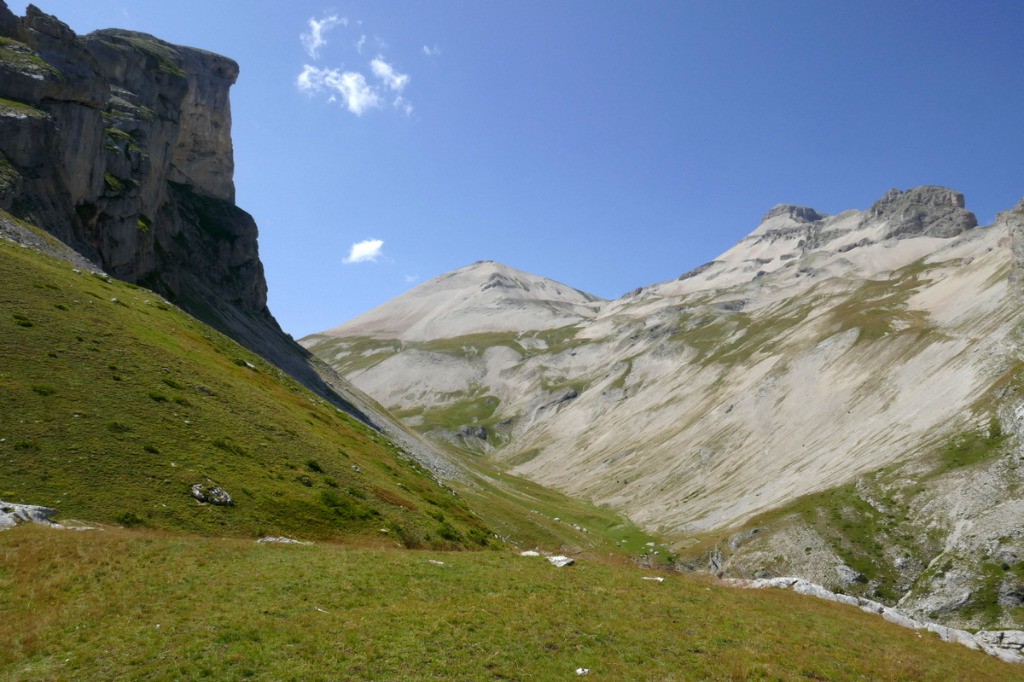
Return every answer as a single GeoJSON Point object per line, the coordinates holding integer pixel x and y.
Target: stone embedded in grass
{"type": "Point", "coordinates": [212, 494]}
{"type": "Point", "coordinates": [560, 560]}
{"type": "Point", "coordinates": [281, 540]}
{"type": "Point", "coordinates": [12, 514]}
{"type": "Point", "coordinates": [529, 552]}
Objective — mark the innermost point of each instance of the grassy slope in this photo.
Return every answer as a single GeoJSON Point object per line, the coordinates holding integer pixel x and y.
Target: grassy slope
{"type": "Point", "coordinates": [113, 404]}
{"type": "Point", "coordinates": [130, 605]}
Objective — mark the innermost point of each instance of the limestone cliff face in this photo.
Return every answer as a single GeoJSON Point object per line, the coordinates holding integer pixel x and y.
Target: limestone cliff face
{"type": "Point", "coordinates": [120, 144]}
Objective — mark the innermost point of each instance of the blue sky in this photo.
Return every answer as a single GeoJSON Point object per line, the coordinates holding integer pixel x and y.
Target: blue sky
{"type": "Point", "coordinates": [607, 145]}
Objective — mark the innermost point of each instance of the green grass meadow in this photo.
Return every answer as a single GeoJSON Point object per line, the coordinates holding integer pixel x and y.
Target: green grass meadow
{"type": "Point", "coordinates": [141, 605]}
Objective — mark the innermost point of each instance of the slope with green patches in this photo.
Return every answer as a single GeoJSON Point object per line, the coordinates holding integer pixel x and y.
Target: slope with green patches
{"type": "Point", "coordinates": [115, 403]}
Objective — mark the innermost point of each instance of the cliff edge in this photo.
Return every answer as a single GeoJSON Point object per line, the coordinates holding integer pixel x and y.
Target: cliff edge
{"type": "Point", "coordinates": [119, 144]}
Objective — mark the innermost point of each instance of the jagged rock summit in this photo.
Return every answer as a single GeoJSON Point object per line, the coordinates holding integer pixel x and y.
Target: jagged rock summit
{"type": "Point", "coordinates": [797, 242]}
{"type": "Point", "coordinates": [483, 297]}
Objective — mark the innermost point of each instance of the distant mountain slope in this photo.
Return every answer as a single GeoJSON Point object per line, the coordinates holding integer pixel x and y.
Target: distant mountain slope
{"type": "Point", "coordinates": [483, 297]}
{"type": "Point", "coordinates": [818, 350]}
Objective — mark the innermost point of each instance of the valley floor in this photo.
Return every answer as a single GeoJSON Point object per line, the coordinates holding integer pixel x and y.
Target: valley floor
{"type": "Point", "coordinates": [118, 604]}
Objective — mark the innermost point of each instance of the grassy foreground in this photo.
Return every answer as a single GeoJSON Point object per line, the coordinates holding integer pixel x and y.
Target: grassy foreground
{"type": "Point", "coordinates": [124, 604]}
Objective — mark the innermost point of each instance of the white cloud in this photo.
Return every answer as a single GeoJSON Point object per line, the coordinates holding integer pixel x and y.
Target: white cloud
{"type": "Point", "coordinates": [366, 251]}
{"type": "Point", "coordinates": [409, 279]}
{"type": "Point", "coordinates": [358, 95]}
{"type": "Point", "coordinates": [351, 88]}
{"type": "Point", "coordinates": [431, 51]}
{"type": "Point", "coordinates": [310, 80]}
{"type": "Point", "coordinates": [351, 85]}
{"type": "Point", "coordinates": [403, 105]}
{"type": "Point", "coordinates": [315, 39]}
{"type": "Point", "coordinates": [391, 78]}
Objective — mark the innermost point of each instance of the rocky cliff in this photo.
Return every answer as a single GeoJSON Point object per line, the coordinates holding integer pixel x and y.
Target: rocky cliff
{"type": "Point", "coordinates": [119, 144]}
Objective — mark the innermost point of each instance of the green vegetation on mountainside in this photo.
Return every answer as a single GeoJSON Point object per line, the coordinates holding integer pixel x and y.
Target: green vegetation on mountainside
{"type": "Point", "coordinates": [474, 406]}
{"type": "Point", "coordinates": [875, 526]}
{"type": "Point", "coordinates": [114, 404]}
{"type": "Point", "coordinates": [138, 605]}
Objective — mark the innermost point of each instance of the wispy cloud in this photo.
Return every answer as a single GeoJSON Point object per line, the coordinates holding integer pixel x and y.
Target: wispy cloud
{"type": "Point", "coordinates": [366, 251]}
{"type": "Point", "coordinates": [391, 78]}
{"type": "Point", "coordinates": [357, 89]}
{"type": "Point", "coordinates": [431, 51]}
{"type": "Point", "coordinates": [409, 279]}
{"type": "Point", "coordinates": [315, 39]}
{"type": "Point", "coordinates": [357, 96]}
{"type": "Point", "coordinates": [403, 105]}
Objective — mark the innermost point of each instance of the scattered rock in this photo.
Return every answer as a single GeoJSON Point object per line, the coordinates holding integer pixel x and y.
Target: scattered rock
{"type": "Point", "coordinates": [281, 540]}
{"type": "Point", "coordinates": [656, 578]}
{"type": "Point", "coordinates": [12, 514]}
{"type": "Point", "coordinates": [472, 432]}
{"type": "Point", "coordinates": [212, 495]}
{"type": "Point", "coordinates": [529, 552]}
{"type": "Point", "coordinates": [435, 562]}
{"type": "Point", "coordinates": [560, 560]}
{"type": "Point", "coordinates": [582, 671]}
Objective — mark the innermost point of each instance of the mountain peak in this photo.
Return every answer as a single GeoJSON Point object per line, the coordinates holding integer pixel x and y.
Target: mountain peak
{"type": "Point", "coordinates": [798, 214]}
{"type": "Point", "coordinates": [485, 296]}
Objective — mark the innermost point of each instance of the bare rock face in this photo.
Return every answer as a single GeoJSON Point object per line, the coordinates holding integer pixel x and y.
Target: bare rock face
{"type": "Point", "coordinates": [798, 214]}
{"type": "Point", "coordinates": [120, 145]}
{"type": "Point", "coordinates": [1014, 220]}
{"type": "Point", "coordinates": [927, 211]}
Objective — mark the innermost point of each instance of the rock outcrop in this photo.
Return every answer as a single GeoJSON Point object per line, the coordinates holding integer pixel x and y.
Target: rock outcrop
{"type": "Point", "coordinates": [120, 145]}
{"type": "Point", "coordinates": [927, 211]}
{"type": "Point", "coordinates": [12, 514]}
{"type": "Point", "coordinates": [1006, 645]}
